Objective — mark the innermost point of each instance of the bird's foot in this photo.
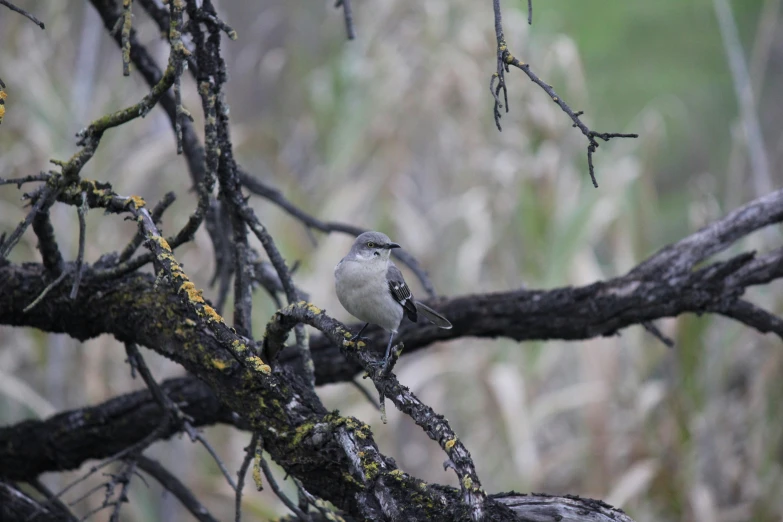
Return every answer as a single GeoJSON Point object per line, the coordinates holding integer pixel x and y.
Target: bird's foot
{"type": "Point", "coordinates": [389, 362]}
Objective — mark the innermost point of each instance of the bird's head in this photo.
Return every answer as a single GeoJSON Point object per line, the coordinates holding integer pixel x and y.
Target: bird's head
{"type": "Point", "coordinates": [372, 246]}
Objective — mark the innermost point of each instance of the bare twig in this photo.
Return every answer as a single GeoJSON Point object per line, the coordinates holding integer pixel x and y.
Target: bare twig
{"type": "Point", "coordinates": [348, 13]}
{"type": "Point", "coordinates": [172, 484]}
{"type": "Point", "coordinates": [249, 454]}
{"type": "Point", "coordinates": [43, 176]}
{"type": "Point", "coordinates": [46, 290]}
{"type": "Point", "coordinates": [44, 199]}
{"type": "Point", "coordinates": [366, 394]}
{"type": "Point", "coordinates": [127, 24]}
{"type": "Point", "coordinates": [285, 278]}
{"type": "Point", "coordinates": [213, 18]}
{"type": "Point", "coordinates": [3, 96]}
{"type": "Point", "coordinates": [175, 40]}
{"type": "Point", "coordinates": [171, 412]}
{"type": "Point", "coordinates": [24, 13]}
{"type": "Point", "coordinates": [658, 334]}
{"type": "Point", "coordinates": [77, 279]}
{"type": "Point", "coordinates": [56, 503]}
{"type": "Point", "coordinates": [157, 215]}
{"type": "Point", "coordinates": [506, 59]}
{"type": "Point", "coordinates": [260, 462]}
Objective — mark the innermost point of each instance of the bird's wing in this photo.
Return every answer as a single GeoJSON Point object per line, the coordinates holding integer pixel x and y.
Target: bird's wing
{"type": "Point", "coordinates": [400, 292]}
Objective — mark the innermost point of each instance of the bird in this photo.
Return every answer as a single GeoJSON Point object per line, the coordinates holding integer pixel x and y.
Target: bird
{"type": "Point", "coordinates": [372, 289]}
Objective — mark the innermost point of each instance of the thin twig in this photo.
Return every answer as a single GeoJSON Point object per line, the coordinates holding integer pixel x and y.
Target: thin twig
{"type": "Point", "coordinates": [124, 479]}
{"type": "Point", "coordinates": [348, 14]}
{"type": "Point", "coordinates": [127, 24]}
{"type": "Point", "coordinates": [291, 292]}
{"type": "Point", "coordinates": [173, 485]}
{"type": "Point", "coordinates": [43, 176]}
{"type": "Point", "coordinates": [506, 59]}
{"type": "Point", "coordinates": [326, 512]}
{"type": "Point", "coordinates": [223, 469]}
{"type": "Point", "coordinates": [56, 503]}
{"type": "Point", "coordinates": [42, 202]}
{"type": "Point", "coordinates": [170, 410]}
{"type": "Point", "coordinates": [249, 454]}
{"type": "Point", "coordinates": [270, 478]}
{"type": "Point", "coordinates": [157, 215]}
{"type": "Point", "coordinates": [82, 212]}
{"type": "Point", "coordinates": [367, 394]}
{"type": "Point", "coordinates": [3, 96]}
{"type": "Point", "coordinates": [46, 290]}
{"type": "Point", "coordinates": [24, 13]}
{"type": "Point", "coordinates": [175, 40]}
{"type": "Point", "coordinates": [220, 24]}
{"type": "Point", "coordinates": [658, 334]}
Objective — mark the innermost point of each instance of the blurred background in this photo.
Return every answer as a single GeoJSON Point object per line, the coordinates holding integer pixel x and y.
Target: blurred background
{"type": "Point", "coordinates": [394, 131]}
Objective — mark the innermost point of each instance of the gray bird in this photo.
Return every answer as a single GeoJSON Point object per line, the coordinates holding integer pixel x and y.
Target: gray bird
{"type": "Point", "coordinates": [373, 290]}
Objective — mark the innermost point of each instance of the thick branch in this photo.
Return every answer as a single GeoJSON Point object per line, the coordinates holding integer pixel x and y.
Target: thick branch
{"type": "Point", "coordinates": [600, 309]}
{"type": "Point", "coordinates": [66, 440]}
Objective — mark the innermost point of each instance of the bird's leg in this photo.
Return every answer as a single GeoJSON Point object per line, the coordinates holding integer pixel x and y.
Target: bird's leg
{"type": "Point", "coordinates": [388, 349]}
{"type": "Point", "coordinates": [359, 335]}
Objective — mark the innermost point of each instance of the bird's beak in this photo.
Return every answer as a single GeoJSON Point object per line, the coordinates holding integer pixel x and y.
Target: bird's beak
{"type": "Point", "coordinates": [389, 246]}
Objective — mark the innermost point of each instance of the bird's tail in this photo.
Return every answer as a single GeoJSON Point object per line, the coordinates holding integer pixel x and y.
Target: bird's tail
{"type": "Point", "coordinates": [433, 316]}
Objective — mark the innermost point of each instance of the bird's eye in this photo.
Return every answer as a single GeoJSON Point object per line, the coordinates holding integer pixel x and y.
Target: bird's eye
{"type": "Point", "coordinates": [370, 245]}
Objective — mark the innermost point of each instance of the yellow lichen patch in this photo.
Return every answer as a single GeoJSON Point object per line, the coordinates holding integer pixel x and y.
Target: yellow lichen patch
{"type": "Point", "coordinates": [238, 346]}
{"type": "Point", "coordinates": [220, 364]}
{"type": "Point", "coordinates": [257, 474]}
{"type": "Point", "coordinates": [314, 309]}
{"type": "Point", "coordinates": [211, 313]}
{"type": "Point", "coordinates": [361, 344]}
{"type": "Point", "coordinates": [161, 242]}
{"type": "Point", "coordinates": [2, 112]}
{"type": "Point", "coordinates": [3, 95]}
{"type": "Point", "coordinates": [467, 482]}
{"type": "Point", "coordinates": [450, 443]}
{"type": "Point", "coordinates": [194, 294]}
{"type": "Point", "coordinates": [259, 365]}
{"type": "Point", "coordinates": [396, 473]}
{"type": "Point", "coordinates": [137, 202]}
